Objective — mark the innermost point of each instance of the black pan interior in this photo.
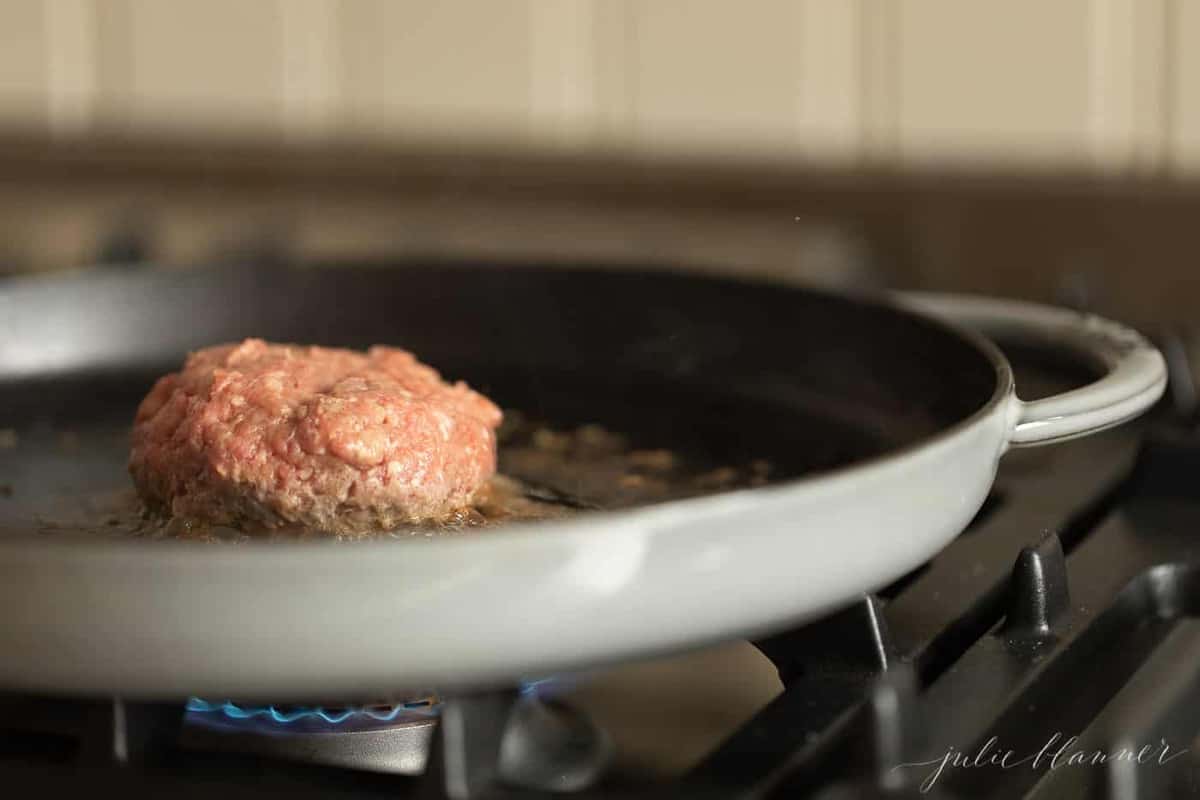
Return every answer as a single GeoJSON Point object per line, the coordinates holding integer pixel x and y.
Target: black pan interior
{"type": "Point", "coordinates": [726, 372]}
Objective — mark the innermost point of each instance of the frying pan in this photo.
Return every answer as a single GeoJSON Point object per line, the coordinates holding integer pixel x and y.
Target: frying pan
{"type": "Point", "coordinates": [884, 417]}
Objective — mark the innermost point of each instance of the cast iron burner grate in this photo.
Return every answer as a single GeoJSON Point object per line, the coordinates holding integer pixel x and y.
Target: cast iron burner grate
{"type": "Point", "coordinates": [1070, 609]}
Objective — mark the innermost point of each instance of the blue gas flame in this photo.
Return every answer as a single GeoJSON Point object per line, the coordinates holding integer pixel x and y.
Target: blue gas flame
{"type": "Point", "coordinates": [424, 708]}
{"type": "Point", "coordinates": [541, 686]}
{"type": "Point", "coordinates": [332, 716]}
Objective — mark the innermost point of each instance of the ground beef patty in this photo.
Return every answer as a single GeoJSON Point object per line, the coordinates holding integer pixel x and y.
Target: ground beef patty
{"type": "Point", "coordinates": [337, 440]}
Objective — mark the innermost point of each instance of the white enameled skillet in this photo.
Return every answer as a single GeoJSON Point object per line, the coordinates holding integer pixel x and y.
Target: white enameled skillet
{"type": "Point", "coordinates": [892, 412]}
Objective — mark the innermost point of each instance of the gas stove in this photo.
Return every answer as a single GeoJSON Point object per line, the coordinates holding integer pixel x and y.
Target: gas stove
{"type": "Point", "coordinates": [1051, 650]}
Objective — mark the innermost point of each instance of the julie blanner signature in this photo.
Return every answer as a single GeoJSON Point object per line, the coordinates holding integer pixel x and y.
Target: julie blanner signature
{"type": "Point", "coordinates": [1058, 752]}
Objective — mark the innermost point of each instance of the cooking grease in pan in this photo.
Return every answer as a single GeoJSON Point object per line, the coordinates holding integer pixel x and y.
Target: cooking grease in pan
{"type": "Point", "coordinates": [545, 472]}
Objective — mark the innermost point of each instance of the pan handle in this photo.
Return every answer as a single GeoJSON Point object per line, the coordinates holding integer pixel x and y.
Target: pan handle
{"type": "Point", "coordinates": [1135, 378]}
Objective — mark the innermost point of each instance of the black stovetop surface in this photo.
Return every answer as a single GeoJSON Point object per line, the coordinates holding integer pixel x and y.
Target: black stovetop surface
{"type": "Point", "coordinates": [1052, 650]}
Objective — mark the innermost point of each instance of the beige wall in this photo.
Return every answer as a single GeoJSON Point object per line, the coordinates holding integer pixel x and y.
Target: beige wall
{"type": "Point", "coordinates": [1105, 84]}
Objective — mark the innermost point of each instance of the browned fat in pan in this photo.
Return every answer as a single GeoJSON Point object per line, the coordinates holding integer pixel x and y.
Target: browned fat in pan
{"type": "Point", "coordinates": [623, 386]}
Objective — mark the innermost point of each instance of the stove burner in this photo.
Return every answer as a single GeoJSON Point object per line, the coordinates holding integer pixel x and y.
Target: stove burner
{"type": "Point", "coordinates": [385, 737]}
{"type": "Point", "coordinates": [391, 737]}
{"type": "Point", "coordinates": [424, 708]}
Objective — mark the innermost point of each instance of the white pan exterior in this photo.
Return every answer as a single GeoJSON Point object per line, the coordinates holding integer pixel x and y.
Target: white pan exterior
{"type": "Point", "coordinates": [331, 621]}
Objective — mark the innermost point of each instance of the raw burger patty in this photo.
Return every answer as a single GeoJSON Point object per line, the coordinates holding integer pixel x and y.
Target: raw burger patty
{"type": "Point", "coordinates": [336, 440]}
